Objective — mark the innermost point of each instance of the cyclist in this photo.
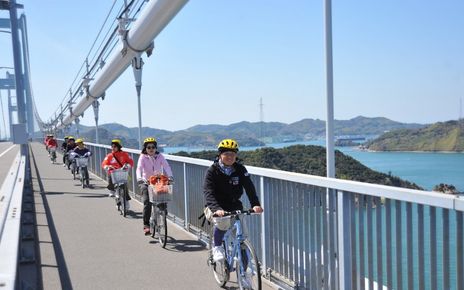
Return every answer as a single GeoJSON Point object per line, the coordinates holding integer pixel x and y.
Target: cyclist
{"type": "Point", "coordinates": [223, 187]}
{"type": "Point", "coordinates": [81, 150]}
{"type": "Point", "coordinates": [115, 160]}
{"type": "Point", "coordinates": [46, 141]}
{"type": "Point", "coordinates": [64, 145]}
{"type": "Point", "coordinates": [69, 147]}
{"type": "Point", "coordinates": [51, 142]}
{"type": "Point", "coordinates": [151, 162]}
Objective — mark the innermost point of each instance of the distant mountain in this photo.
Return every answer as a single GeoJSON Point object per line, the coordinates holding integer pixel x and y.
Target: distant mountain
{"type": "Point", "coordinates": [248, 133]}
{"type": "Point", "coordinates": [442, 136]}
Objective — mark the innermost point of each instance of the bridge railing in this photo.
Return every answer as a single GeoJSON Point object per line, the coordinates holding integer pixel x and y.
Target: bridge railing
{"type": "Point", "coordinates": [324, 233]}
{"type": "Point", "coordinates": [11, 196]}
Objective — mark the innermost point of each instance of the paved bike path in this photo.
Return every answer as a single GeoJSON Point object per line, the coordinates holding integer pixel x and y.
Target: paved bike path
{"type": "Point", "coordinates": [86, 244]}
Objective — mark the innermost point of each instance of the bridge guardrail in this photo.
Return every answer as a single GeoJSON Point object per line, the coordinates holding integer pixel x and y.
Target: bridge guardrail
{"type": "Point", "coordinates": [339, 234]}
{"type": "Point", "coordinates": [11, 195]}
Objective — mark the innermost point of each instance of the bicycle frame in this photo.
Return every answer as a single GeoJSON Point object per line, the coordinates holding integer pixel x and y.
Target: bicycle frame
{"type": "Point", "coordinates": [236, 240]}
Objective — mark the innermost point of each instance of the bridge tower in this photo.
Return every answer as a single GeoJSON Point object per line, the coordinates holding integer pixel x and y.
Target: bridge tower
{"type": "Point", "coordinates": [24, 123]}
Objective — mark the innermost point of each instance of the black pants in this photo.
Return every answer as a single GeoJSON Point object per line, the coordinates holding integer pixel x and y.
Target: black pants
{"type": "Point", "coordinates": [110, 183]}
{"type": "Point", "coordinates": [146, 213]}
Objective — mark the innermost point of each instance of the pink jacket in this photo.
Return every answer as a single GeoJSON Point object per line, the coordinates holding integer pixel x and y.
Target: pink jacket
{"type": "Point", "coordinates": [148, 166]}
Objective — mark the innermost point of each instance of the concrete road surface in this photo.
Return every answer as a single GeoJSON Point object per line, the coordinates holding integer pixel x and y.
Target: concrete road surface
{"type": "Point", "coordinates": [8, 152]}
{"type": "Point", "coordinates": [86, 244]}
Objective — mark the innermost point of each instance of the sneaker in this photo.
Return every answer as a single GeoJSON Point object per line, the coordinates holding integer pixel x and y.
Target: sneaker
{"type": "Point", "coordinates": [146, 230]}
{"type": "Point", "coordinates": [111, 193]}
{"type": "Point", "coordinates": [64, 165]}
{"type": "Point", "coordinates": [218, 254]}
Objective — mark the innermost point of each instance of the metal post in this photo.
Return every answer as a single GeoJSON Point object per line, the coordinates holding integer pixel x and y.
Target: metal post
{"type": "Point", "coordinates": [329, 87]}
{"type": "Point", "coordinates": [77, 126]}
{"type": "Point", "coordinates": [10, 115]}
{"type": "Point", "coordinates": [137, 65]}
{"type": "Point", "coordinates": [96, 105]}
{"type": "Point", "coordinates": [263, 200]}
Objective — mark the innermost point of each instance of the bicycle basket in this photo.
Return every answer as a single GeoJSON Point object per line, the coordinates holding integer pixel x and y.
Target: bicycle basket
{"type": "Point", "coordinates": [119, 176]}
{"type": "Point", "coordinates": [82, 161]}
{"type": "Point", "coordinates": [161, 193]}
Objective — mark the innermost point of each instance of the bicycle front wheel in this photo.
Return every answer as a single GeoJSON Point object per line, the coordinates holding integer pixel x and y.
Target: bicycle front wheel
{"type": "Point", "coordinates": [248, 268]}
{"type": "Point", "coordinates": [74, 169]}
{"type": "Point", "coordinates": [162, 227]}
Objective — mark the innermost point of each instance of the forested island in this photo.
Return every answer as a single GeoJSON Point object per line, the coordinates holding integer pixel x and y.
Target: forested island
{"type": "Point", "coordinates": [442, 136]}
{"type": "Point", "coordinates": [309, 159]}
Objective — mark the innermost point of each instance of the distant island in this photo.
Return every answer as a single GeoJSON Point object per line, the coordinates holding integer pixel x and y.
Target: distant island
{"type": "Point", "coordinates": [441, 136]}
{"type": "Point", "coordinates": [311, 160]}
{"type": "Point", "coordinates": [246, 133]}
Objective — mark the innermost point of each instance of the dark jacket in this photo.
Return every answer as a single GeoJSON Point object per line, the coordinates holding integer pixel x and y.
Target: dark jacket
{"type": "Point", "coordinates": [82, 151]}
{"type": "Point", "coordinates": [223, 192]}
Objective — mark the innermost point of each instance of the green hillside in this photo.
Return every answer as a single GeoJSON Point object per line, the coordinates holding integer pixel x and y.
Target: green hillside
{"type": "Point", "coordinates": [310, 160]}
{"type": "Point", "coordinates": [442, 136]}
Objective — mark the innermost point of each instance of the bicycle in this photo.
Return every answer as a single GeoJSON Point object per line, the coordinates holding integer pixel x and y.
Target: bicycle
{"type": "Point", "coordinates": [52, 151]}
{"type": "Point", "coordinates": [119, 178]}
{"type": "Point", "coordinates": [159, 196]}
{"type": "Point", "coordinates": [239, 251]}
{"type": "Point", "coordinates": [81, 163]}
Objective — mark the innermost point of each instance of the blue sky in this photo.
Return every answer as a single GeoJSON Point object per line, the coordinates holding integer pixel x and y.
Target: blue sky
{"type": "Point", "coordinates": [400, 59]}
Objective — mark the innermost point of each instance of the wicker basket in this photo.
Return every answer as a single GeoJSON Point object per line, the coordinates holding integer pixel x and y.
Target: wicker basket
{"type": "Point", "coordinates": [82, 161]}
{"type": "Point", "coordinates": [119, 176]}
{"type": "Point", "coordinates": [162, 194]}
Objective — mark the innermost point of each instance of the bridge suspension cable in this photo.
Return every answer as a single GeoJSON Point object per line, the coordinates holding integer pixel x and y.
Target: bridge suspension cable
{"type": "Point", "coordinates": [134, 36]}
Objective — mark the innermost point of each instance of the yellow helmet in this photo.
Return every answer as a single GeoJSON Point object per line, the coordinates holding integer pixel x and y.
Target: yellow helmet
{"type": "Point", "coordinates": [71, 138]}
{"type": "Point", "coordinates": [149, 140]}
{"type": "Point", "coordinates": [80, 140]}
{"type": "Point", "coordinates": [228, 145]}
{"type": "Point", "coordinates": [116, 142]}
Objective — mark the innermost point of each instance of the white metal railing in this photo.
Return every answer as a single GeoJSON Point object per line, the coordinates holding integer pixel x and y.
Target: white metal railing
{"type": "Point", "coordinates": [11, 195]}
{"type": "Point", "coordinates": [326, 233]}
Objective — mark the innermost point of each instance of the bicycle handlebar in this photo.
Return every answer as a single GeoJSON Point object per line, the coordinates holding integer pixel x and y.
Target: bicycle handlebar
{"type": "Point", "coordinates": [237, 212]}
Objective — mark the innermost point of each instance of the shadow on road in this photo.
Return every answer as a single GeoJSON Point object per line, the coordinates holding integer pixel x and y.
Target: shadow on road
{"type": "Point", "coordinates": [65, 280]}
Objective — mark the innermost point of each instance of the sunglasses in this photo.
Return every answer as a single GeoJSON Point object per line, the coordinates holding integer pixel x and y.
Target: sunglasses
{"type": "Point", "coordinates": [151, 147]}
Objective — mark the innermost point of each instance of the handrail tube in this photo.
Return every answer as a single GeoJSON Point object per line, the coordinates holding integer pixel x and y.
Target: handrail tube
{"type": "Point", "coordinates": [153, 19]}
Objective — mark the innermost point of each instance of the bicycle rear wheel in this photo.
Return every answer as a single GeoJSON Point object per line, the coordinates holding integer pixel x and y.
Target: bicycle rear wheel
{"type": "Point", "coordinates": [162, 226]}
{"type": "Point", "coordinates": [122, 200]}
{"type": "Point", "coordinates": [248, 268]}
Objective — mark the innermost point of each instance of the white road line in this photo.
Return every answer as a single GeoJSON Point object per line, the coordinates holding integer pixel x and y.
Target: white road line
{"type": "Point", "coordinates": [4, 152]}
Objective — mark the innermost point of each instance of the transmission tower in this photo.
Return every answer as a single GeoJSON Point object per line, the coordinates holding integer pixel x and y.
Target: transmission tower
{"type": "Point", "coordinates": [261, 118]}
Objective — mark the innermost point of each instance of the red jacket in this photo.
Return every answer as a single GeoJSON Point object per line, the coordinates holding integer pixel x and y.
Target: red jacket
{"type": "Point", "coordinates": [52, 143]}
{"type": "Point", "coordinates": [121, 156]}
